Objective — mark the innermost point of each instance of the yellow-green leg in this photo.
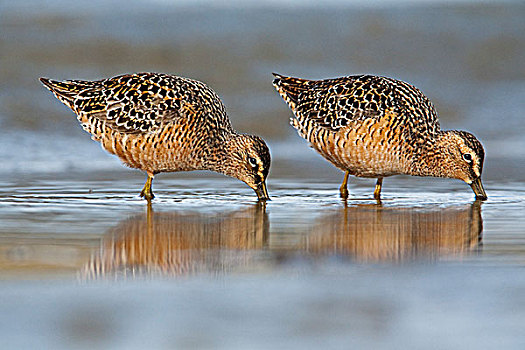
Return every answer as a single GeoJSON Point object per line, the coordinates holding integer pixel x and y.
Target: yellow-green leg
{"type": "Point", "coordinates": [343, 189]}
{"type": "Point", "coordinates": [377, 191]}
{"type": "Point", "coordinates": [147, 192]}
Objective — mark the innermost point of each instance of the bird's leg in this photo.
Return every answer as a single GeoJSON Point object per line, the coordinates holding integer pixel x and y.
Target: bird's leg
{"type": "Point", "coordinates": [147, 192]}
{"type": "Point", "coordinates": [343, 190]}
{"type": "Point", "coordinates": [377, 191]}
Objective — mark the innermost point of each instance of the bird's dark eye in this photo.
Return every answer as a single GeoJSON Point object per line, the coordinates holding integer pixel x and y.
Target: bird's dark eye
{"type": "Point", "coordinates": [467, 157]}
{"type": "Point", "coordinates": [253, 162]}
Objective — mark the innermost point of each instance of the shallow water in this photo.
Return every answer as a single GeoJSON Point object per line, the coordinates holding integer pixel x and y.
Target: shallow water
{"type": "Point", "coordinates": [89, 264]}
{"type": "Point", "coordinates": [80, 227]}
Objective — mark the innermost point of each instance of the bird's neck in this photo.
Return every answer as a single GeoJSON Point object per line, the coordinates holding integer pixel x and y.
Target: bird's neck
{"type": "Point", "coordinates": [431, 157]}
{"type": "Point", "coordinates": [224, 154]}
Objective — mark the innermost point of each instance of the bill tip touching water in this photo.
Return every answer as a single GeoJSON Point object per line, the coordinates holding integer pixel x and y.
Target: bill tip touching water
{"type": "Point", "coordinates": [375, 127]}
{"type": "Point", "coordinates": [164, 123]}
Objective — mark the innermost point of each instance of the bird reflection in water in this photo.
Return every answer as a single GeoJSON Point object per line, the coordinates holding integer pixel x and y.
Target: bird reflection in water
{"type": "Point", "coordinates": [178, 243]}
{"type": "Point", "coordinates": [173, 243]}
{"type": "Point", "coordinates": [373, 233]}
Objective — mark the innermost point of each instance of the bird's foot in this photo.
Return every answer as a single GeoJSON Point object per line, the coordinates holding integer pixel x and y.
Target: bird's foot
{"type": "Point", "coordinates": [343, 192]}
{"type": "Point", "coordinates": [147, 195]}
{"type": "Point", "coordinates": [377, 190]}
{"type": "Point", "coordinates": [147, 192]}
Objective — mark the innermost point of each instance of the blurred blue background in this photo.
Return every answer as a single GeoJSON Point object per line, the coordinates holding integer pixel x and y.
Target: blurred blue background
{"type": "Point", "coordinates": [467, 56]}
{"type": "Point", "coordinates": [429, 269]}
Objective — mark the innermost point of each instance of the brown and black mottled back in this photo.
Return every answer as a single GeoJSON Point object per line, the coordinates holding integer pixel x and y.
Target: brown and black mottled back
{"type": "Point", "coordinates": [333, 103]}
{"type": "Point", "coordinates": [139, 103]}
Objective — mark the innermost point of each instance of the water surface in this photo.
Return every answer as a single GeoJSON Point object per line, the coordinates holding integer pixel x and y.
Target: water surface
{"type": "Point", "coordinates": [214, 225]}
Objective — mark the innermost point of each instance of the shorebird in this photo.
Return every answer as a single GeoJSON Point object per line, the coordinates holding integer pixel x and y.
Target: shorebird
{"type": "Point", "coordinates": [372, 126]}
{"type": "Point", "coordinates": [164, 123]}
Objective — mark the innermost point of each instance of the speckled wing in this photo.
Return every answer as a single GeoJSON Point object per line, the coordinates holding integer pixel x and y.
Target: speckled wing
{"type": "Point", "coordinates": [337, 103]}
{"type": "Point", "coordinates": [138, 103]}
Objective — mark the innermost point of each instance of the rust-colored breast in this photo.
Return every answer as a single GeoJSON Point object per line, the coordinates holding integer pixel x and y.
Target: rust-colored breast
{"type": "Point", "coordinates": [174, 147]}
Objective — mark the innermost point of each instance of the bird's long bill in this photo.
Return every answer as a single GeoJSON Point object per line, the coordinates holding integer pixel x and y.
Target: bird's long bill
{"type": "Point", "coordinates": [262, 192]}
{"type": "Point", "coordinates": [478, 189]}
